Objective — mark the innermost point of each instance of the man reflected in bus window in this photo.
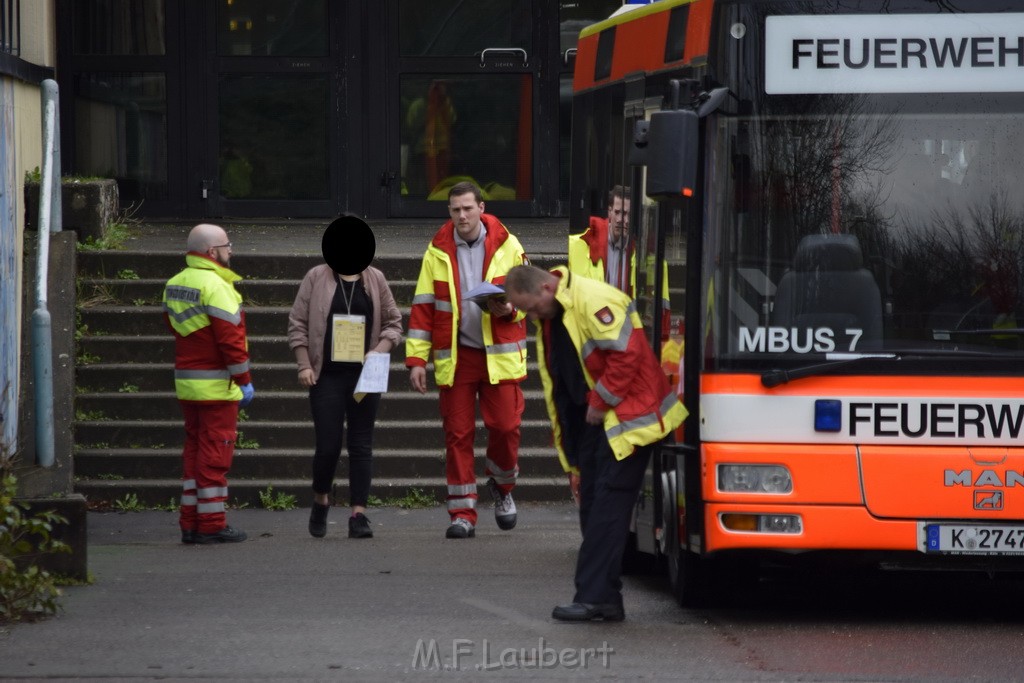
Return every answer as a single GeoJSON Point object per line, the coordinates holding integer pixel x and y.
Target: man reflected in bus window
{"type": "Point", "coordinates": [604, 251]}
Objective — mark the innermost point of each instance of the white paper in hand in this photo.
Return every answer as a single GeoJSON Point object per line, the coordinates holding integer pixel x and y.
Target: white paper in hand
{"type": "Point", "coordinates": [374, 377]}
{"type": "Point", "coordinates": [484, 291]}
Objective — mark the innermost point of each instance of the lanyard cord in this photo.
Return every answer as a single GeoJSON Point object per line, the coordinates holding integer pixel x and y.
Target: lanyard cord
{"type": "Point", "coordinates": [347, 296]}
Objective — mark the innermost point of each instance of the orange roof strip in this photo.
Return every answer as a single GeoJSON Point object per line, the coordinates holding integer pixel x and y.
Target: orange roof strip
{"type": "Point", "coordinates": [727, 383]}
{"type": "Point", "coordinates": [586, 60]}
{"type": "Point", "coordinates": [698, 30]}
{"type": "Point", "coordinates": [640, 45]}
{"type": "Point", "coordinates": [640, 40]}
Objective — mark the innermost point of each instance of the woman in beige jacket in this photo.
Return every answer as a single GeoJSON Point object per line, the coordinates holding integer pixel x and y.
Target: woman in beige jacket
{"type": "Point", "coordinates": [322, 295]}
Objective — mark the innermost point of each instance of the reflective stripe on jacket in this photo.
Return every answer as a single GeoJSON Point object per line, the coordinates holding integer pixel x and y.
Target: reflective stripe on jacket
{"type": "Point", "coordinates": [621, 371]}
{"type": "Point", "coordinates": [434, 317]}
{"type": "Point", "coordinates": [204, 311]}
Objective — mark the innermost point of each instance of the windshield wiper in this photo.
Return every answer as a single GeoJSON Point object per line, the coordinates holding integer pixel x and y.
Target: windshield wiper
{"type": "Point", "coordinates": [773, 378]}
{"type": "Point", "coordinates": [943, 335]}
{"type": "Point", "coordinates": [836, 360]}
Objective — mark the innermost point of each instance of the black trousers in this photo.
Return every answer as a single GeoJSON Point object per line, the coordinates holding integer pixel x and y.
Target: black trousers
{"type": "Point", "coordinates": [333, 406]}
{"type": "Point", "coordinates": [608, 492]}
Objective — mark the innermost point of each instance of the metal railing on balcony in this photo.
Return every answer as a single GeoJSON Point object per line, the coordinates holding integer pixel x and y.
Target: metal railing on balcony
{"type": "Point", "coordinates": [10, 27]}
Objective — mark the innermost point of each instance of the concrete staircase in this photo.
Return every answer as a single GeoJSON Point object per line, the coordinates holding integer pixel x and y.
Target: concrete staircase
{"type": "Point", "coordinates": [128, 428]}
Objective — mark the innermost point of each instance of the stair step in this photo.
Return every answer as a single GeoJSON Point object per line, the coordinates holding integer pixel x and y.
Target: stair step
{"type": "Point", "coordinates": [149, 291]}
{"type": "Point", "coordinates": [155, 265]}
{"type": "Point", "coordinates": [266, 434]}
{"type": "Point", "coordinates": [150, 492]}
{"type": "Point", "coordinates": [273, 405]}
{"type": "Point", "coordinates": [112, 464]}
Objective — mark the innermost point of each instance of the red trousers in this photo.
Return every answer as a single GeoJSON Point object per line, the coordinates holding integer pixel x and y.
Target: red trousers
{"type": "Point", "coordinates": [501, 406]}
{"type": "Point", "coordinates": [209, 446]}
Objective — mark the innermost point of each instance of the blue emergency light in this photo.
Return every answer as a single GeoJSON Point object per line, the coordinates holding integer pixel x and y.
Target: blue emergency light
{"type": "Point", "coordinates": [828, 415]}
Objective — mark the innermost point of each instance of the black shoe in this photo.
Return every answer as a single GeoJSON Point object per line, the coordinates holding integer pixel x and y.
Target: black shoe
{"type": "Point", "coordinates": [188, 536]}
{"type": "Point", "coordinates": [226, 535]}
{"type": "Point", "coordinates": [460, 528]}
{"type": "Point", "coordinates": [581, 611]}
{"type": "Point", "coordinates": [318, 520]}
{"type": "Point", "coordinates": [359, 526]}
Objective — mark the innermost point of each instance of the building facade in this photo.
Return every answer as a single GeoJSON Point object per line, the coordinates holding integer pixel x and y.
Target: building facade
{"type": "Point", "coordinates": [309, 108]}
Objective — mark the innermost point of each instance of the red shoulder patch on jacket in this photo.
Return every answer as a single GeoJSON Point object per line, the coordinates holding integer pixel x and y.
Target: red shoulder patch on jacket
{"type": "Point", "coordinates": [605, 316]}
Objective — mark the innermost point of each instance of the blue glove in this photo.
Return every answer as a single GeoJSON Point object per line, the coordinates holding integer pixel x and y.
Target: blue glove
{"type": "Point", "coordinates": [247, 394]}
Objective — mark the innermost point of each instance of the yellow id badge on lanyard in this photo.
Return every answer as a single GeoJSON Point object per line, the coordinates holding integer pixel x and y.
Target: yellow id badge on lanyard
{"type": "Point", "coordinates": [348, 337]}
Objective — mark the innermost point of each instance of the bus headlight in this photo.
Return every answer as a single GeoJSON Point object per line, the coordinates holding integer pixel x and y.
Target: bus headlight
{"type": "Point", "coordinates": [766, 524]}
{"type": "Point", "coordinates": [754, 479]}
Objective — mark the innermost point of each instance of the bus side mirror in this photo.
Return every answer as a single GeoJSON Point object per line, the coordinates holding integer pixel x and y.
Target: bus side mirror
{"type": "Point", "coordinates": [667, 146]}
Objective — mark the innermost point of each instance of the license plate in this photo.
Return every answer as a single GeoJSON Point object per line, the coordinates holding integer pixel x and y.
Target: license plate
{"type": "Point", "coordinates": [969, 539]}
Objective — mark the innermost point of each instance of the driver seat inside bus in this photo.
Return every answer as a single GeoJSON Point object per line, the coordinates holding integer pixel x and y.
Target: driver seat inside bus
{"type": "Point", "coordinates": [829, 287]}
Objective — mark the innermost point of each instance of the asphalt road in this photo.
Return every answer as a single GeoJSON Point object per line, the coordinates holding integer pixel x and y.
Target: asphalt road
{"type": "Point", "coordinates": [411, 605]}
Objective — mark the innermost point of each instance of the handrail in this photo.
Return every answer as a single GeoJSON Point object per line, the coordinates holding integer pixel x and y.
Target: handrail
{"type": "Point", "coordinates": [42, 336]}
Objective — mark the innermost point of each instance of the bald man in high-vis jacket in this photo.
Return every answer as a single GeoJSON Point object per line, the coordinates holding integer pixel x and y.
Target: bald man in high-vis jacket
{"type": "Point", "coordinates": [211, 379]}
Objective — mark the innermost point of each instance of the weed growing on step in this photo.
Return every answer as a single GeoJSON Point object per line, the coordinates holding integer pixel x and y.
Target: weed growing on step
{"type": "Point", "coordinates": [236, 504]}
{"type": "Point", "coordinates": [86, 358]}
{"type": "Point", "coordinates": [115, 234]}
{"type": "Point", "coordinates": [414, 498]}
{"type": "Point", "coordinates": [90, 416]}
{"type": "Point", "coordinates": [129, 503]}
{"type": "Point", "coordinates": [139, 302]}
{"type": "Point", "coordinates": [95, 294]}
{"type": "Point", "coordinates": [276, 501]}
{"type": "Point", "coordinates": [127, 274]}
{"type": "Point", "coordinates": [170, 506]}
{"type": "Point", "coordinates": [127, 388]}
{"type": "Point", "coordinates": [242, 442]}
{"type": "Point", "coordinates": [110, 477]}
{"type": "Point", "coordinates": [242, 415]}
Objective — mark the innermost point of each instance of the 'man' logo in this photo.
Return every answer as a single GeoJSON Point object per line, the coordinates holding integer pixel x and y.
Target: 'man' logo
{"type": "Point", "coordinates": [988, 500]}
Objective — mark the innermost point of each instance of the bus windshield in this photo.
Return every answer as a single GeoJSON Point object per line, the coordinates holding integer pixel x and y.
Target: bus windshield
{"type": "Point", "coordinates": [864, 224]}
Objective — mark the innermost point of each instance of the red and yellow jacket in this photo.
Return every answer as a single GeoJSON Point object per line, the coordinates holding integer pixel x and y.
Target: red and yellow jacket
{"type": "Point", "coordinates": [621, 371]}
{"type": "Point", "coordinates": [434, 318]}
{"type": "Point", "coordinates": [204, 311]}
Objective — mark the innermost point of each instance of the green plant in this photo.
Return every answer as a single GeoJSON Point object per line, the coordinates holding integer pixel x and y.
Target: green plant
{"type": "Point", "coordinates": [127, 388]}
{"type": "Point", "coordinates": [129, 503]}
{"type": "Point", "coordinates": [170, 506]}
{"type": "Point", "coordinates": [414, 498]}
{"type": "Point", "coordinates": [236, 504]}
{"type": "Point", "coordinates": [242, 415]}
{"type": "Point", "coordinates": [127, 274]}
{"type": "Point", "coordinates": [115, 234]}
{"type": "Point", "coordinates": [90, 415]}
{"type": "Point", "coordinates": [242, 442]}
{"type": "Point", "coordinates": [110, 477]}
{"type": "Point", "coordinates": [276, 501]}
{"type": "Point", "coordinates": [25, 590]}
{"type": "Point", "coordinates": [86, 358]}
{"type": "Point", "coordinates": [139, 302]}
{"type": "Point", "coordinates": [33, 176]}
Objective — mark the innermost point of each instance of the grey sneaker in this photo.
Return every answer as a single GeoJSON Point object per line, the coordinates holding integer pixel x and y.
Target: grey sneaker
{"type": "Point", "coordinates": [226, 535]}
{"type": "Point", "coordinates": [460, 528]}
{"type": "Point", "coordinates": [504, 507]}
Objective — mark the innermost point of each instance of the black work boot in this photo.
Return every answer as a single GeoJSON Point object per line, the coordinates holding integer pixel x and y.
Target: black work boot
{"type": "Point", "coordinates": [318, 520]}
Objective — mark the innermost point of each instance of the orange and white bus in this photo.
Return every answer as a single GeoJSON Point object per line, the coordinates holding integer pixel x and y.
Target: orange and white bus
{"type": "Point", "coordinates": [835, 187]}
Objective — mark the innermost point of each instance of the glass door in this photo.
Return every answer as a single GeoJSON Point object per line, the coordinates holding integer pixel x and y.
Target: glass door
{"type": "Point", "coordinates": [272, 111]}
{"type": "Point", "coordinates": [466, 80]}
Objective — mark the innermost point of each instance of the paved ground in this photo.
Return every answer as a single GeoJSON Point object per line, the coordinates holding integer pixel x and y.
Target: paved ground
{"type": "Point", "coordinates": [286, 606]}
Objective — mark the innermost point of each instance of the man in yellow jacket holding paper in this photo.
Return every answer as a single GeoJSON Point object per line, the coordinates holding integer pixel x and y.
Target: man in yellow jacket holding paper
{"type": "Point", "coordinates": [477, 351]}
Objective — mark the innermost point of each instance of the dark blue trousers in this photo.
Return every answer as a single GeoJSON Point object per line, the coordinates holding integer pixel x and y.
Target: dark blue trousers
{"type": "Point", "coordinates": [608, 492]}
